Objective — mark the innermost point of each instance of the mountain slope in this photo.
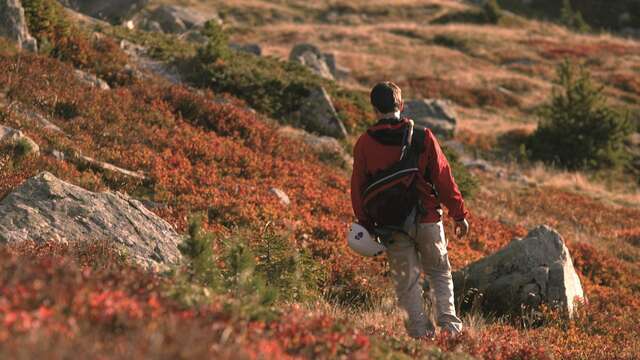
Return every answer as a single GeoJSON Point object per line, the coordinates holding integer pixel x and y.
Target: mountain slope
{"type": "Point", "coordinates": [205, 153]}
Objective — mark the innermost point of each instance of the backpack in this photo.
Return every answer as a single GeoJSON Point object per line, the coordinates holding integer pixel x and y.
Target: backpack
{"type": "Point", "coordinates": [392, 194]}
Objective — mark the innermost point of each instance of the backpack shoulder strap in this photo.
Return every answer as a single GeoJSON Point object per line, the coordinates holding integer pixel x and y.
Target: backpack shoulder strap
{"type": "Point", "coordinates": [419, 136]}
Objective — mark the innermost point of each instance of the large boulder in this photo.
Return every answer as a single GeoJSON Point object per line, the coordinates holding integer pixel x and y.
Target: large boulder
{"type": "Point", "coordinates": [113, 10]}
{"type": "Point", "coordinates": [318, 114]}
{"type": "Point", "coordinates": [436, 115]}
{"type": "Point", "coordinates": [13, 25]}
{"type": "Point", "coordinates": [526, 273]}
{"type": "Point", "coordinates": [46, 208]}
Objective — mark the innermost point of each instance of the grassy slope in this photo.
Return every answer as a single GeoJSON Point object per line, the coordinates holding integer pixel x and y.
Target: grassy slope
{"type": "Point", "coordinates": [196, 162]}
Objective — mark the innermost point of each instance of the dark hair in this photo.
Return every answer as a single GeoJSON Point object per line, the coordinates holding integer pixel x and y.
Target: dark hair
{"type": "Point", "coordinates": [386, 97]}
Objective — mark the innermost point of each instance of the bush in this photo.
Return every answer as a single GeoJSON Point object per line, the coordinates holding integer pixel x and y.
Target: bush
{"type": "Point", "coordinates": [260, 274]}
{"type": "Point", "coordinates": [572, 19]}
{"type": "Point", "coordinates": [270, 86]}
{"type": "Point", "coordinates": [23, 148]}
{"type": "Point", "coordinates": [492, 11]}
{"type": "Point", "coordinates": [66, 110]}
{"type": "Point", "coordinates": [46, 22]}
{"type": "Point", "coordinates": [578, 130]}
{"type": "Point", "coordinates": [467, 183]}
{"type": "Point", "coordinates": [59, 38]}
{"type": "Point", "coordinates": [452, 42]}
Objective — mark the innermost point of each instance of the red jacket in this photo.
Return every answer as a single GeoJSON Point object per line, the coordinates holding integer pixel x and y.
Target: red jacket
{"type": "Point", "coordinates": [371, 156]}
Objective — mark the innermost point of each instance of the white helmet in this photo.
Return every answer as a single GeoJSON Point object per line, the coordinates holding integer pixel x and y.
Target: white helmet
{"type": "Point", "coordinates": [362, 242]}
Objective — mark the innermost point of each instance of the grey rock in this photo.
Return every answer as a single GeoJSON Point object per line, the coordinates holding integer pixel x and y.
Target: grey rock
{"type": "Point", "coordinates": [318, 114]}
{"type": "Point", "coordinates": [281, 195]}
{"type": "Point", "coordinates": [106, 167]}
{"type": "Point", "coordinates": [338, 72]}
{"type": "Point", "coordinates": [13, 137]}
{"type": "Point", "coordinates": [13, 25]}
{"type": "Point", "coordinates": [178, 19]}
{"type": "Point", "coordinates": [153, 26]}
{"type": "Point", "coordinates": [436, 115]}
{"type": "Point", "coordinates": [479, 164]}
{"type": "Point", "coordinates": [195, 36]}
{"type": "Point", "coordinates": [527, 272]}
{"type": "Point", "coordinates": [101, 166]}
{"type": "Point", "coordinates": [328, 148]}
{"type": "Point", "coordinates": [254, 49]}
{"type": "Point", "coordinates": [630, 32]}
{"type": "Point", "coordinates": [310, 56]}
{"type": "Point", "coordinates": [114, 11]}
{"type": "Point", "coordinates": [91, 80]}
{"type": "Point", "coordinates": [45, 208]}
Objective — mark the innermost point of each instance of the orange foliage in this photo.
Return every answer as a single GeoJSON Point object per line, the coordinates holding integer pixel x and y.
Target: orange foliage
{"type": "Point", "coordinates": [207, 154]}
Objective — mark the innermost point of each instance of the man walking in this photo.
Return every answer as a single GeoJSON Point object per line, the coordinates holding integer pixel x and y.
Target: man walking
{"type": "Point", "coordinates": [421, 244]}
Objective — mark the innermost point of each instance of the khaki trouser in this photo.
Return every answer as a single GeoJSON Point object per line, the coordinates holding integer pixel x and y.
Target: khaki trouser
{"type": "Point", "coordinates": [428, 253]}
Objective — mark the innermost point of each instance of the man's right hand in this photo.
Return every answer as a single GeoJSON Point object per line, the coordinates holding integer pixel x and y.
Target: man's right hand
{"type": "Point", "coordinates": [462, 228]}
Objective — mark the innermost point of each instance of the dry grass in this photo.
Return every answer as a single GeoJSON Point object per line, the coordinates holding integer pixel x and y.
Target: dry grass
{"type": "Point", "coordinates": [580, 183]}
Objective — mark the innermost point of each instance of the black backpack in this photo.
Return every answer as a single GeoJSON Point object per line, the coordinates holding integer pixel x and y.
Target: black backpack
{"type": "Point", "coordinates": [391, 194]}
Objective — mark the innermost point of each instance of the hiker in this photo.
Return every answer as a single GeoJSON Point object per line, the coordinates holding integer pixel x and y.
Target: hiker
{"type": "Point", "coordinates": [400, 178]}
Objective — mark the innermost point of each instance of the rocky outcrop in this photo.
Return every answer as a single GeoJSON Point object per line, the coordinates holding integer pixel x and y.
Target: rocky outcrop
{"type": "Point", "coordinates": [91, 80]}
{"type": "Point", "coordinates": [318, 114]}
{"type": "Point", "coordinates": [527, 272]}
{"type": "Point", "coordinates": [310, 56]}
{"type": "Point", "coordinates": [46, 208]}
{"type": "Point", "coordinates": [13, 25]}
{"type": "Point", "coordinates": [15, 137]}
{"type": "Point", "coordinates": [113, 10]}
{"type": "Point", "coordinates": [436, 115]}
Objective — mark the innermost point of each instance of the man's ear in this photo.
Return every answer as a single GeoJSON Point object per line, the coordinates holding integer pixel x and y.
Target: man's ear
{"type": "Point", "coordinates": [401, 105]}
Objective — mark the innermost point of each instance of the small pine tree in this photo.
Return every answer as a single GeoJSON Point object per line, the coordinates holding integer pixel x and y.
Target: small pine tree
{"type": "Point", "coordinates": [245, 283]}
{"type": "Point", "coordinates": [286, 268]}
{"type": "Point", "coordinates": [217, 46]}
{"type": "Point", "coordinates": [573, 19]}
{"type": "Point", "coordinates": [492, 11]}
{"type": "Point", "coordinates": [578, 130]}
{"type": "Point", "coordinates": [197, 250]}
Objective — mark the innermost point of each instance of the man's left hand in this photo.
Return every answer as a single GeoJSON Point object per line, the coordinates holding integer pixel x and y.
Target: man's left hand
{"type": "Point", "coordinates": [462, 228]}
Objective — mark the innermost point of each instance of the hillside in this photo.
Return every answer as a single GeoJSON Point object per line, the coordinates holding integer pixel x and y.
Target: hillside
{"type": "Point", "coordinates": [201, 126]}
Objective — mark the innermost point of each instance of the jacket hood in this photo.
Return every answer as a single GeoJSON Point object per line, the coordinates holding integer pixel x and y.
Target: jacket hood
{"type": "Point", "coordinates": [388, 131]}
